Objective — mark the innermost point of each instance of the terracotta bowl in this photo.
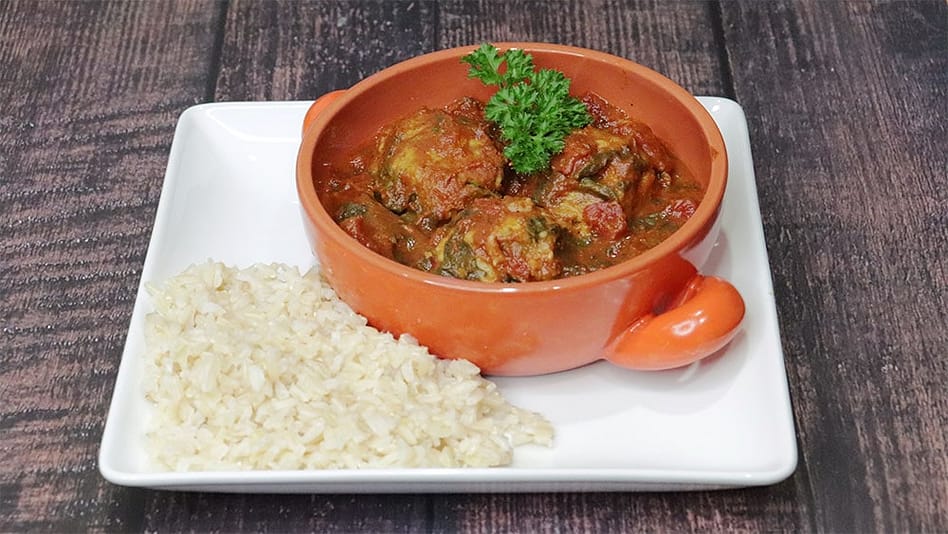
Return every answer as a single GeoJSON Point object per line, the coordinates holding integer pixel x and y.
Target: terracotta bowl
{"type": "Point", "coordinates": [652, 312]}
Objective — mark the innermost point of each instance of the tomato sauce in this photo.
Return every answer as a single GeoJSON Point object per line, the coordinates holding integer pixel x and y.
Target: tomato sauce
{"type": "Point", "coordinates": [434, 191]}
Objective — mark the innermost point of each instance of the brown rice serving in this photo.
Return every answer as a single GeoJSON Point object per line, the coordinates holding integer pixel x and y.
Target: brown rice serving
{"type": "Point", "coordinates": [264, 368]}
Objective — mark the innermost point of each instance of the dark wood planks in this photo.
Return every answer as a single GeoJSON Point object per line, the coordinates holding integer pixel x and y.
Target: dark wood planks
{"type": "Point", "coordinates": [846, 103]}
{"type": "Point", "coordinates": [298, 51]}
{"type": "Point", "coordinates": [769, 509]}
{"type": "Point", "coordinates": [176, 512]}
{"type": "Point", "coordinates": [674, 38]}
{"type": "Point", "coordinates": [847, 107]}
{"type": "Point", "coordinates": [91, 92]}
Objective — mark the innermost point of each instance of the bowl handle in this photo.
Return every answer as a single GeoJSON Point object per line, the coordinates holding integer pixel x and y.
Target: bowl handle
{"type": "Point", "coordinates": [704, 318]}
{"type": "Point", "coordinates": [319, 105]}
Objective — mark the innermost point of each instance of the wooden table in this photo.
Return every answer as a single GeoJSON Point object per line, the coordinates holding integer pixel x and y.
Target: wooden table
{"type": "Point", "coordinates": [846, 103]}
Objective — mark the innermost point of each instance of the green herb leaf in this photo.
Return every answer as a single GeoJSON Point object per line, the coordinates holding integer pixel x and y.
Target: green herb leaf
{"type": "Point", "coordinates": [519, 66]}
{"type": "Point", "coordinates": [485, 65]}
{"type": "Point", "coordinates": [534, 110]}
{"type": "Point", "coordinates": [350, 209]}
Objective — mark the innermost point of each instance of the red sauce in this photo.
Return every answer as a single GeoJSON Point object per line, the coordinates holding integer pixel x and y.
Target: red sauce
{"type": "Point", "coordinates": [433, 191]}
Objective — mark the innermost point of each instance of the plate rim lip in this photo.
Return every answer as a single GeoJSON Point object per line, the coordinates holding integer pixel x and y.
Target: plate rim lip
{"type": "Point", "coordinates": [445, 479]}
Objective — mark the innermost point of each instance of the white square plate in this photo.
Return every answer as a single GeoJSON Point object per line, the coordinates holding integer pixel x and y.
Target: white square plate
{"type": "Point", "coordinates": [230, 195]}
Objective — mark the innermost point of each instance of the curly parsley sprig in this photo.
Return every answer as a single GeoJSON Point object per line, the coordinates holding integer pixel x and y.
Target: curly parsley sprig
{"type": "Point", "coordinates": [533, 109]}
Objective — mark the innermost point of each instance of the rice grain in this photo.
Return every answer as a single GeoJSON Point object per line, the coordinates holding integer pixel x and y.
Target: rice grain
{"type": "Point", "coordinates": [265, 368]}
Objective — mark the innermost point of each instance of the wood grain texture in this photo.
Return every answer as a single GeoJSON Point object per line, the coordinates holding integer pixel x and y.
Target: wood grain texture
{"type": "Point", "coordinates": [847, 108]}
{"type": "Point", "coordinates": [90, 92]}
{"type": "Point", "coordinates": [298, 51]}
{"type": "Point", "coordinates": [771, 509]}
{"type": "Point", "coordinates": [170, 511]}
{"type": "Point", "coordinates": [677, 39]}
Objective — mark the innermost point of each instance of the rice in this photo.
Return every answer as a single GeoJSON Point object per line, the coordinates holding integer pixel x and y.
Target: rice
{"type": "Point", "coordinates": [265, 368]}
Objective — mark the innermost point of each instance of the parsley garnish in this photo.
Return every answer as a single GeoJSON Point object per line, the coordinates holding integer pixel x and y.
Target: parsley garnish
{"type": "Point", "coordinates": [533, 109]}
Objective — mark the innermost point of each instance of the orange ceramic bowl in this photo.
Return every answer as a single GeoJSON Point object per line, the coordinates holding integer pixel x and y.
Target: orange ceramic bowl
{"type": "Point", "coordinates": [651, 312]}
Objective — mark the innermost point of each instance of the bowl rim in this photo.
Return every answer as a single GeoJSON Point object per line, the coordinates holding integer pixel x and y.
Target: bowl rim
{"type": "Point", "coordinates": [702, 219]}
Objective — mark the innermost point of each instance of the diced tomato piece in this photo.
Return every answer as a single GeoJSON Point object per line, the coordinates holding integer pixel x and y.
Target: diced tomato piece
{"type": "Point", "coordinates": [652, 147]}
{"type": "Point", "coordinates": [605, 219]}
{"type": "Point", "coordinates": [578, 149]}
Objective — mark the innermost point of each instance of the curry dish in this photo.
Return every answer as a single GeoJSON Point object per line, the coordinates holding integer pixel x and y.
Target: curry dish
{"type": "Point", "coordinates": [434, 191]}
